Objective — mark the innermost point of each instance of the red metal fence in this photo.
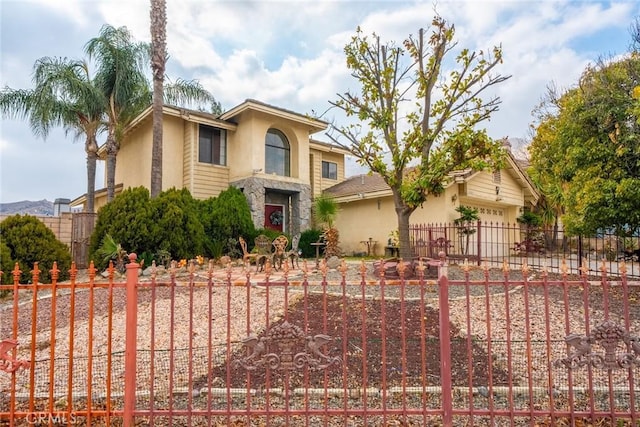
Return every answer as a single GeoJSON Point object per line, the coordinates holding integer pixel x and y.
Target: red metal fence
{"type": "Point", "coordinates": [494, 243]}
{"type": "Point", "coordinates": [477, 346]}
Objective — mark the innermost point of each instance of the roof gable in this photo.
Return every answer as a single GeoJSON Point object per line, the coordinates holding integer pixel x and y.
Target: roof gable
{"type": "Point", "coordinates": [314, 125]}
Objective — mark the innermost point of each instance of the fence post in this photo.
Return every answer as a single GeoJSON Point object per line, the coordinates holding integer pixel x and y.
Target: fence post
{"type": "Point", "coordinates": [479, 241]}
{"type": "Point", "coordinates": [131, 339]}
{"type": "Point", "coordinates": [580, 254]}
{"type": "Point", "coordinates": [445, 345]}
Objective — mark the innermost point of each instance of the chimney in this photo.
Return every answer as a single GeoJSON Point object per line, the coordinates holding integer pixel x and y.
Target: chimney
{"type": "Point", "coordinates": [60, 206]}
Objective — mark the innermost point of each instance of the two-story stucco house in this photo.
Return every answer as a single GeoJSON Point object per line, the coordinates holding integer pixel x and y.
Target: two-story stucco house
{"type": "Point", "coordinates": [270, 154]}
{"type": "Point", "coordinates": [266, 151]}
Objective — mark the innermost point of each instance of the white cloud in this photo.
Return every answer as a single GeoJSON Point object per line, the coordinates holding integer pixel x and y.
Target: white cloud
{"type": "Point", "coordinates": [290, 54]}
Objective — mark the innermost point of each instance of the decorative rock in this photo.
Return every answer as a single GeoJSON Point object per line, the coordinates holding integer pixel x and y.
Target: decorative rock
{"type": "Point", "coordinates": [390, 267]}
{"type": "Point", "coordinates": [160, 270]}
{"type": "Point", "coordinates": [333, 262]}
{"type": "Point", "coordinates": [224, 261]}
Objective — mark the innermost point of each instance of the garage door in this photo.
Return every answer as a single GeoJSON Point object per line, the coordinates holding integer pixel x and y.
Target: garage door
{"type": "Point", "coordinates": [492, 235]}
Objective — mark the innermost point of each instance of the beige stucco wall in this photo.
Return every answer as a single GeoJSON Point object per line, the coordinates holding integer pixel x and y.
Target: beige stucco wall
{"type": "Point", "coordinates": [133, 167]}
{"type": "Point", "coordinates": [359, 220]}
{"type": "Point", "coordinates": [247, 150]}
{"type": "Point", "coordinates": [376, 218]}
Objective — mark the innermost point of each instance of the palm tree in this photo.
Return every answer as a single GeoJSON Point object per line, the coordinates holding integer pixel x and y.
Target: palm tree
{"type": "Point", "coordinates": [121, 64]}
{"type": "Point", "coordinates": [158, 61]}
{"type": "Point", "coordinates": [64, 94]}
{"type": "Point", "coordinates": [121, 79]}
{"type": "Point", "coordinates": [325, 212]}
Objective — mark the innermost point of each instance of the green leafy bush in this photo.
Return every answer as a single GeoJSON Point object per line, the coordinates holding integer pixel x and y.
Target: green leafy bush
{"type": "Point", "coordinates": [29, 241]}
{"type": "Point", "coordinates": [175, 225]}
{"type": "Point", "coordinates": [127, 219]}
{"type": "Point", "coordinates": [306, 238]}
{"type": "Point", "coordinates": [6, 264]}
{"type": "Point", "coordinates": [226, 217]}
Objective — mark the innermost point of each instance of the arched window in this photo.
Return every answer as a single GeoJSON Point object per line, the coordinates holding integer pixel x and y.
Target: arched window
{"type": "Point", "coordinates": [277, 153]}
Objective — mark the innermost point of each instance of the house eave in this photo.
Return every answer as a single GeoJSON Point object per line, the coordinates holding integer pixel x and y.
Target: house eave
{"type": "Point", "coordinates": [328, 148]}
{"type": "Point", "coordinates": [183, 113]}
{"type": "Point", "coordinates": [355, 197]}
{"type": "Point", "coordinates": [314, 125]}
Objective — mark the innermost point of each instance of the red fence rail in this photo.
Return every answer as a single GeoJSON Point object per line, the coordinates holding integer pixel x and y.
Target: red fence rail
{"type": "Point", "coordinates": [495, 243]}
{"type": "Point", "coordinates": [233, 347]}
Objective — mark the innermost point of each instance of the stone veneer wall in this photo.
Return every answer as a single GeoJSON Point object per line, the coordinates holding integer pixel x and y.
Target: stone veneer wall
{"type": "Point", "coordinates": [254, 189]}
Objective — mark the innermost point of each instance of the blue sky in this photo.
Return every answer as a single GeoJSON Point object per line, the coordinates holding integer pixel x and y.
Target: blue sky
{"type": "Point", "coordinates": [289, 54]}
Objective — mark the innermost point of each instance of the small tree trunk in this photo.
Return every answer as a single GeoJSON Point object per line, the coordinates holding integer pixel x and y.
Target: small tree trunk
{"type": "Point", "coordinates": [404, 213]}
{"type": "Point", "coordinates": [91, 148]}
{"type": "Point", "coordinates": [112, 151]}
{"type": "Point", "coordinates": [158, 60]}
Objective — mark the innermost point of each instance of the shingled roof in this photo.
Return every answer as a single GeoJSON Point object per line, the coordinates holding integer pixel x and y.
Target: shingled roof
{"type": "Point", "coordinates": [372, 185]}
{"type": "Point", "coordinates": [358, 184]}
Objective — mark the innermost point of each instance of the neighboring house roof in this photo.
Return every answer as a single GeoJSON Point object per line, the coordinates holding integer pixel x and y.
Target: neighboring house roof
{"type": "Point", "coordinates": [359, 187]}
{"type": "Point", "coordinates": [373, 185]}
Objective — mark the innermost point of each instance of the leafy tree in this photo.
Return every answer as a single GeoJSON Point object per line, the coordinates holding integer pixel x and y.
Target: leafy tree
{"type": "Point", "coordinates": [30, 241]}
{"type": "Point", "coordinates": [64, 94]}
{"type": "Point", "coordinates": [416, 125]}
{"type": "Point", "coordinates": [588, 148]}
{"type": "Point", "coordinates": [121, 77]}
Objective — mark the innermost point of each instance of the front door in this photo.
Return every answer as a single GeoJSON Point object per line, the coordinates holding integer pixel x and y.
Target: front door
{"type": "Point", "coordinates": [274, 217]}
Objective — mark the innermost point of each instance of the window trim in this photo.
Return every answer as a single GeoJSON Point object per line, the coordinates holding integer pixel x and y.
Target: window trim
{"type": "Point", "coordinates": [281, 153]}
{"type": "Point", "coordinates": [328, 170]}
{"type": "Point", "coordinates": [221, 150]}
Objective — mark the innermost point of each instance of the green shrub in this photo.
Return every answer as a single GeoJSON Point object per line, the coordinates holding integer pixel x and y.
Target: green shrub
{"type": "Point", "coordinates": [127, 219]}
{"type": "Point", "coordinates": [226, 217]}
{"type": "Point", "coordinates": [6, 264]}
{"type": "Point", "coordinates": [172, 225]}
{"type": "Point", "coordinates": [29, 241]}
{"type": "Point", "coordinates": [176, 225]}
{"type": "Point", "coordinates": [306, 238]}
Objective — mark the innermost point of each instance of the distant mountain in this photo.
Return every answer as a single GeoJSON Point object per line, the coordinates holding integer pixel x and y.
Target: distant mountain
{"type": "Point", "coordinates": [41, 208]}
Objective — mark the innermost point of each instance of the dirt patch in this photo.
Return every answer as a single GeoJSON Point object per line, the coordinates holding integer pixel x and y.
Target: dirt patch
{"type": "Point", "coordinates": [372, 332]}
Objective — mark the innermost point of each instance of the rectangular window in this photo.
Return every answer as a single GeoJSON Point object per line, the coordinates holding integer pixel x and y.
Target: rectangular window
{"type": "Point", "coordinates": [329, 170]}
{"type": "Point", "coordinates": [212, 145]}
